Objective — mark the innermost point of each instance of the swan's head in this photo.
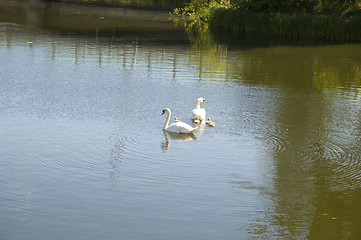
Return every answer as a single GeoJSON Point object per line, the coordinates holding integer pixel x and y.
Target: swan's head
{"type": "Point", "coordinates": [201, 100]}
{"type": "Point", "coordinates": [165, 110]}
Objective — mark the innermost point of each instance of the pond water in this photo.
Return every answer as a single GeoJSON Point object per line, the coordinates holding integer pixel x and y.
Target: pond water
{"type": "Point", "coordinates": [83, 154]}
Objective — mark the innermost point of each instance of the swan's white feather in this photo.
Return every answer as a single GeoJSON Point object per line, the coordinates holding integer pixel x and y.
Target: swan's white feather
{"type": "Point", "coordinates": [199, 114]}
{"type": "Point", "coordinates": [180, 127]}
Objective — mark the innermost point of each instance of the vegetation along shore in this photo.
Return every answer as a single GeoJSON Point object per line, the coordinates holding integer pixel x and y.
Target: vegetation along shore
{"type": "Point", "coordinates": [321, 20]}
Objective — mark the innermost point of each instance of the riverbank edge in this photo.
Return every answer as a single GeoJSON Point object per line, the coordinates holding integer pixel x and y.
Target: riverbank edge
{"type": "Point", "coordinates": [296, 26]}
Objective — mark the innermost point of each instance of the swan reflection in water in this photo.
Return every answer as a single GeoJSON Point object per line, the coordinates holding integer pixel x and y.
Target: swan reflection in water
{"type": "Point", "coordinates": [177, 138]}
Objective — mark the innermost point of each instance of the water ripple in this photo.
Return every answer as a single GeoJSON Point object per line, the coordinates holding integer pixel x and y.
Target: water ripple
{"type": "Point", "coordinates": [131, 150]}
{"type": "Point", "coordinates": [67, 158]}
{"type": "Point", "coordinates": [51, 146]}
{"type": "Point", "coordinates": [344, 164]}
{"type": "Point", "coordinates": [274, 136]}
{"type": "Point", "coordinates": [347, 170]}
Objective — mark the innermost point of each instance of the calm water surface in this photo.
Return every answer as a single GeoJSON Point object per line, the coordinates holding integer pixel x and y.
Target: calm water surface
{"type": "Point", "coordinates": [83, 154]}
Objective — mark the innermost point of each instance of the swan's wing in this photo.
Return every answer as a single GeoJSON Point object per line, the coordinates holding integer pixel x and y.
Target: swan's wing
{"type": "Point", "coordinates": [185, 128]}
{"type": "Point", "coordinates": [180, 127]}
{"type": "Point", "coordinates": [199, 113]}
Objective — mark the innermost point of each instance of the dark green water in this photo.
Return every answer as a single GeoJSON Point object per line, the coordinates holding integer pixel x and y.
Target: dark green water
{"type": "Point", "coordinates": [83, 154]}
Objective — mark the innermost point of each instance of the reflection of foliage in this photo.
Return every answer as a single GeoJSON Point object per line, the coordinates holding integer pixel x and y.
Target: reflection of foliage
{"type": "Point", "coordinates": [210, 57]}
{"type": "Point", "coordinates": [326, 77]}
{"type": "Point", "coordinates": [258, 229]}
{"type": "Point", "coordinates": [200, 37]}
{"type": "Point", "coordinates": [322, 68]}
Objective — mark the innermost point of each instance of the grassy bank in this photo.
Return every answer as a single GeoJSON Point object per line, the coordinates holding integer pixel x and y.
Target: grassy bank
{"type": "Point", "coordinates": [320, 20]}
{"type": "Point", "coordinates": [287, 26]}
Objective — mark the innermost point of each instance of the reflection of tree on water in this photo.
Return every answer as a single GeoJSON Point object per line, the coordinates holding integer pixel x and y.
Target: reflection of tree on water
{"type": "Point", "coordinates": [89, 21]}
{"type": "Point", "coordinates": [100, 50]}
{"type": "Point", "coordinates": [338, 169]}
{"type": "Point", "coordinates": [318, 171]}
{"type": "Point", "coordinates": [312, 137]}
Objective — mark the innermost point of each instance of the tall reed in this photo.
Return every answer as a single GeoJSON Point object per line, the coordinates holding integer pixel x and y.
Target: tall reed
{"type": "Point", "coordinates": [288, 26]}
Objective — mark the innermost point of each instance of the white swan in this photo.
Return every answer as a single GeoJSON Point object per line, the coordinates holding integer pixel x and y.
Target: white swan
{"type": "Point", "coordinates": [177, 127]}
{"type": "Point", "coordinates": [199, 113]}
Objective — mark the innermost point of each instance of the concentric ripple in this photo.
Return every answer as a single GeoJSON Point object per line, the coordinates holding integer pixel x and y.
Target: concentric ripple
{"type": "Point", "coordinates": [343, 164]}
{"type": "Point", "coordinates": [128, 149]}
{"type": "Point", "coordinates": [347, 170]}
{"type": "Point", "coordinates": [274, 137]}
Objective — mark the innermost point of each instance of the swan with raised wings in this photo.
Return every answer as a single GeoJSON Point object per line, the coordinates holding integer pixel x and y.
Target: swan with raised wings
{"type": "Point", "coordinates": [199, 113]}
{"type": "Point", "coordinates": [177, 127]}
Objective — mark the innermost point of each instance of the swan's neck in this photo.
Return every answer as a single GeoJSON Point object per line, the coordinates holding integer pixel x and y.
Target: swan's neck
{"type": "Point", "coordinates": [167, 121]}
{"type": "Point", "coordinates": [198, 106]}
